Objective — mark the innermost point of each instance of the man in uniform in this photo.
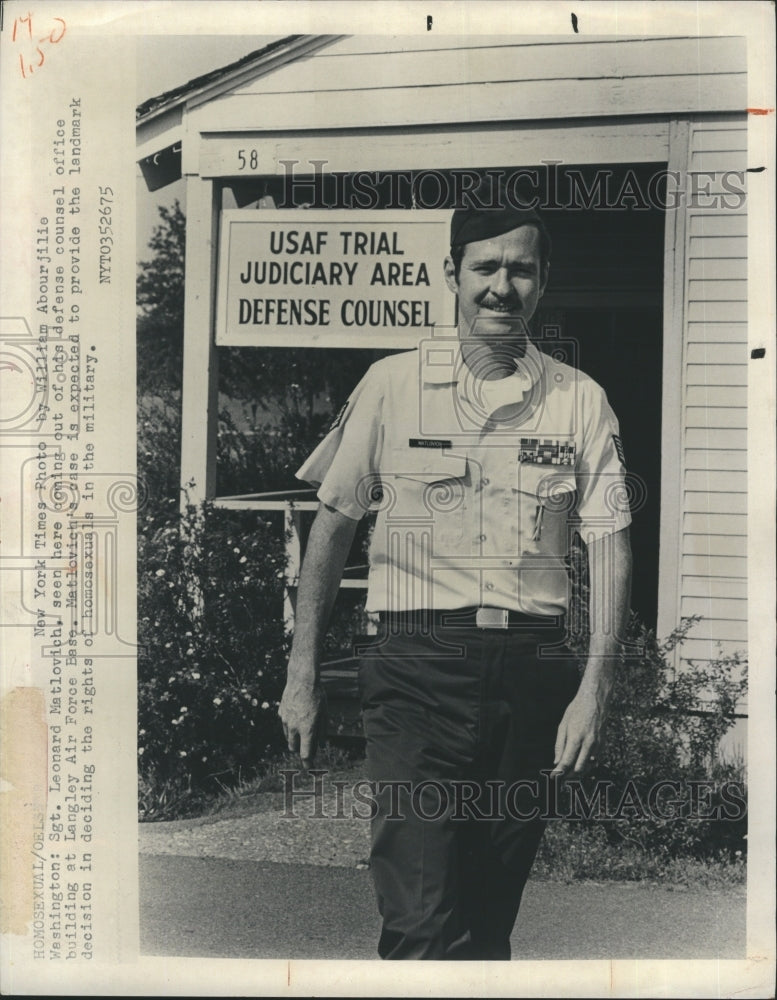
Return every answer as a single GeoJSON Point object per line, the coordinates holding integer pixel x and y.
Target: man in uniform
{"type": "Point", "coordinates": [482, 456]}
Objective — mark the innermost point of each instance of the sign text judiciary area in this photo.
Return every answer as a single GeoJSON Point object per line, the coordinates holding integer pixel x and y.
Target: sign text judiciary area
{"type": "Point", "coordinates": [336, 278]}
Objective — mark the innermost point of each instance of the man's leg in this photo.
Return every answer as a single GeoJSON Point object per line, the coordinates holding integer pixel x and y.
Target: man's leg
{"type": "Point", "coordinates": [491, 890]}
{"type": "Point", "coordinates": [524, 698]}
{"type": "Point", "coordinates": [420, 718]}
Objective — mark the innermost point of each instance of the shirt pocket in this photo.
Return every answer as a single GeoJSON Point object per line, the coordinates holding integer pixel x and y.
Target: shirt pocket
{"type": "Point", "coordinates": [429, 492]}
{"type": "Point", "coordinates": [546, 498]}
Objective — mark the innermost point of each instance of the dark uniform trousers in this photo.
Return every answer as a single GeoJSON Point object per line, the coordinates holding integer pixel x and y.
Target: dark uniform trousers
{"type": "Point", "coordinates": [460, 722]}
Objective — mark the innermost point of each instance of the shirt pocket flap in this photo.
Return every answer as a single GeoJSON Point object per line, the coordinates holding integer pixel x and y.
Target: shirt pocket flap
{"type": "Point", "coordinates": [548, 484]}
{"type": "Point", "coordinates": [426, 465]}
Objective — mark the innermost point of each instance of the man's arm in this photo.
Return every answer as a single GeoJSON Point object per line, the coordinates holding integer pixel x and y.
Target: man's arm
{"type": "Point", "coordinates": [580, 731]}
{"type": "Point", "coordinates": [301, 708]}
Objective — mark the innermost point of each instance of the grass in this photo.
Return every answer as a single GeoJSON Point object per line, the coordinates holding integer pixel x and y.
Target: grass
{"type": "Point", "coordinates": [569, 852]}
{"type": "Point", "coordinates": [173, 801]}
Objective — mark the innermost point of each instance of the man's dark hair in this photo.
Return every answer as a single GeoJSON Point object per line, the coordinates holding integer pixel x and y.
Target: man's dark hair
{"type": "Point", "coordinates": [457, 250]}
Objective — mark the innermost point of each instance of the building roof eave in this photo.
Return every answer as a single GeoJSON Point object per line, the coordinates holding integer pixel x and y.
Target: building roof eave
{"type": "Point", "coordinates": [210, 85]}
{"type": "Point", "coordinates": [159, 128]}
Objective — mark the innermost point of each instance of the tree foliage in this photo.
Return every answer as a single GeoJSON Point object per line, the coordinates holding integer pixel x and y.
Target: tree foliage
{"type": "Point", "coordinates": [160, 293]}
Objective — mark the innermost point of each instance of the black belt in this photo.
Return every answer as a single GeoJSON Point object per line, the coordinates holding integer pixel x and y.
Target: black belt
{"type": "Point", "coordinates": [481, 618]}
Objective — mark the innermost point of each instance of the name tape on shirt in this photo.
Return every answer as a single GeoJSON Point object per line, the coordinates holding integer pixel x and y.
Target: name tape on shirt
{"type": "Point", "coordinates": [429, 443]}
{"type": "Point", "coordinates": [547, 451]}
{"type": "Point", "coordinates": [619, 448]}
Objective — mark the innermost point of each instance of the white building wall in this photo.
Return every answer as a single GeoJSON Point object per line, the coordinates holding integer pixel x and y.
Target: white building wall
{"type": "Point", "coordinates": [713, 566]}
{"type": "Point", "coordinates": [412, 80]}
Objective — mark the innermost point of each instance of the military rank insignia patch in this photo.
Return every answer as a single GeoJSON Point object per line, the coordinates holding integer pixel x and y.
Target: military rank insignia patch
{"type": "Point", "coordinates": [619, 448]}
{"type": "Point", "coordinates": [547, 452]}
{"type": "Point", "coordinates": [339, 418]}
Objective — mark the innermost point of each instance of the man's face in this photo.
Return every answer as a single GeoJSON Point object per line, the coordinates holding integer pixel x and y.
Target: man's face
{"type": "Point", "coordinates": [500, 282]}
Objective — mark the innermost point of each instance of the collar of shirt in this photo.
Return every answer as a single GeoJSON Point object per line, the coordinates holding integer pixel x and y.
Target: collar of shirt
{"type": "Point", "coordinates": [445, 365]}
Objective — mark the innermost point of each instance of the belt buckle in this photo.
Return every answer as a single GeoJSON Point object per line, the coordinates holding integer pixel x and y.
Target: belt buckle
{"type": "Point", "coordinates": [492, 618]}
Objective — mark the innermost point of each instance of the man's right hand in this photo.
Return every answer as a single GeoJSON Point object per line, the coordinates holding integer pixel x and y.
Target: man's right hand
{"type": "Point", "coordinates": [303, 714]}
{"type": "Point", "coordinates": [303, 705]}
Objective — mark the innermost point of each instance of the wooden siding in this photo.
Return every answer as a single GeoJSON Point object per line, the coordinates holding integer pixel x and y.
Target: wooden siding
{"type": "Point", "coordinates": [706, 649]}
{"type": "Point", "coordinates": [713, 557]}
{"type": "Point", "coordinates": [734, 525]}
{"type": "Point", "coordinates": [412, 62]}
{"type": "Point", "coordinates": [707, 502]}
{"type": "Point", "coordinates": [529, 100]}
{"type": "Point", "coordinates": [411, 82]}
{"type": "Point", "coordinates": [699, 458]}
{"type": "Point", "coordinates": [698, 586]}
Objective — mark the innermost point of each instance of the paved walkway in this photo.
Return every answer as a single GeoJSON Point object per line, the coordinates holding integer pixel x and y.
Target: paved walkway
{"type": "Point", "coordinates": [217, 906]}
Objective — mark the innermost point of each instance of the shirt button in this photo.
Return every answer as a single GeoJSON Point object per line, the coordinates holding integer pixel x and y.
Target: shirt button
{"type": "Point", "coordinates": [481, 538]}
{"type": "Point", "coordinates": [485, 481]}
{"type": "Point", "coordinates": [489, 586]}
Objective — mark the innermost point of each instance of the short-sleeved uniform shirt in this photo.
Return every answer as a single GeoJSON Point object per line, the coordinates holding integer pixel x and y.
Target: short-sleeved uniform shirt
{"type": "Point", "coordinates": [478, 485]}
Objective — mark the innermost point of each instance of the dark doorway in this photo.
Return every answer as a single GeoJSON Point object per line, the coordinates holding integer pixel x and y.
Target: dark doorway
{"type": "Point", "coordinates": [621, 349]}
{"type": "Point", "coordinates": [606, 294]}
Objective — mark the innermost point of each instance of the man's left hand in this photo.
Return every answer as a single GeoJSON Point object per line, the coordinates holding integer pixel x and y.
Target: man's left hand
{"type": "Point", "coordinates": [581, 729]}
{"type": "Point", "coordinates": [580, 732]}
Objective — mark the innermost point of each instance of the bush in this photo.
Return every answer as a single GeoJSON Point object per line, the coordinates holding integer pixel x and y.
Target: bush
{"type": "Point", "coordinates": [571, 852]}
{"type": "Point", "coordinates": [212, 657]}
{"type": "Point", "coordinates": [213, 649]}
{"type": "Point", "coordinates": [212, 661]}
{"type": "Point", "coordinates": [666, 726]}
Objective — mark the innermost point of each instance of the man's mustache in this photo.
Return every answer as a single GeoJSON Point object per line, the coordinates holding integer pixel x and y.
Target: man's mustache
{"type": "Point", "coordinates": [513, 305]}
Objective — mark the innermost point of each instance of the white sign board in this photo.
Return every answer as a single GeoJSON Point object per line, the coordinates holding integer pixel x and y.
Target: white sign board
{"type": "Point", "coordinates": [335, 278]}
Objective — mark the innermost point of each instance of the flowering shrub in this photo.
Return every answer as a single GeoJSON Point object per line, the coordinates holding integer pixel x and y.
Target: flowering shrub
{"type": "Point", "coordinates": [213, 649]}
